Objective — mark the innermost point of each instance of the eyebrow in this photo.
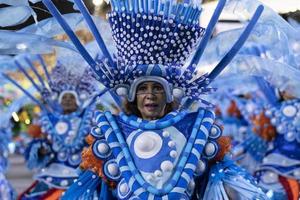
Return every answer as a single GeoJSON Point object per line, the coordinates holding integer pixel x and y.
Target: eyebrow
{"type": "Point", "coordinates": [154, 84]}
{"type": "Point", "coordinates": [143, 85]}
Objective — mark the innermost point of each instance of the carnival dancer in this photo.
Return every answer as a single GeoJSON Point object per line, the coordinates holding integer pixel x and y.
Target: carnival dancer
{"type": "Point", "coordinates": [65, 121]}
{"type": "Point", "coordinates": [153, 150]}
{"type": "Point", "coordinates": [276, 126]}
{"type": "Point", "coordinates": [274, 153]}
{"type": "Point", "coordinates": [6, 190]}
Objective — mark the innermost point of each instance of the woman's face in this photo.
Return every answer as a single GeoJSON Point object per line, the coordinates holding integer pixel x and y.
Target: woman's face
{"type": "Point", "coordinates": [68, 103]}
{"type": "Point", "coordinates": [151, 100]}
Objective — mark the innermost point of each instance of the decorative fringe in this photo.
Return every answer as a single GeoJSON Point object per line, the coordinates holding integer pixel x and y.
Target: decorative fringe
{"type": "Point", "coordinates": [228, 181]}
{"type": "Point", "coordinates": [86, 187]}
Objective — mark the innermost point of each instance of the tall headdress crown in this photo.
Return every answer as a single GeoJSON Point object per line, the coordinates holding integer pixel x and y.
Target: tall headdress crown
{"type": "Point", "coordinates": [155, 32]}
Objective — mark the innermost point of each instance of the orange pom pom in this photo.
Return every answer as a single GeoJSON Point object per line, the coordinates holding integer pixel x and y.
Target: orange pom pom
{"type": "Point", "coordinates": [91, 162]}
{"type": "Point", "coordinates": [263, 127]}
{"type": "Point", "coordinates": [218, 111]}
{"type": "Point", "coordinates": [224, 143]}
{"type": "Point", "coordinates": [34, 131]}
{"type": "Point", "coordinates": [89, 139]}
{"type": "Point", "coordinates": [233, 110]}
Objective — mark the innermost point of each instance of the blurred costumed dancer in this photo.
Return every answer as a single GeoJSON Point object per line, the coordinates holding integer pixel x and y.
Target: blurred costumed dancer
{"type": "Point", "coordinates": [67, 107]}
{"type": "Point", "coordinates": [249, 101]}
{"type": "Point", "coordinates": [278, 125]}
{"type": "Point", "coordinates": [272, 149]}
{"type": "Point", "coordinates": [276, 73]}
{"type": "Point", "coordinates": [6, 190]}
{"type": "Point", "coordinates": [152, 150]}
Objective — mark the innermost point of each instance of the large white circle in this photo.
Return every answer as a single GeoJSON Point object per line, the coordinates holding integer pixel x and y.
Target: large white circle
{"type": "Point", "coordinates": [289, 111]}
{"type": "Point", "coordinates": [61, 127]}
{"type": "Point", "coordinates": [147, 144]}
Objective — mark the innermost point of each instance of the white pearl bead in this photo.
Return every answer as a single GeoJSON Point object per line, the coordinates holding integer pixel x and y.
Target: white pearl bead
{"type": "Point", "coordinates": [173, 154]}
{"type": "Point", "coordinates": [124, 188]}
{"type": "Point", "coordinates": [113, 169]}
{"type": "Point", "coordinates": [273, 121]}
{"type": "Point", "coordinates": [49, 179]}
{"type": "Point", "coordinates": [97, 130]}
{"type": "Point", "coordinates": [103, 148]}
{"type": "Point", "coordinates": [62, 154]}
{"type": "Point", "coordinates": [210, 149]}
{"type": "Point", "coordinates": [213, 131]}
{"type": "Point", "coordinates": [289, 111]}
{"type": "Point", "coordinates": [191, 185]}
{"type": "Point", "coordinates": [75, 157]}
{"type": "Point", "coordinates": [150, 177]}
{"type": "Point", "coordinates": [268, 113]}
{"type": "Point", "coordinates": [289, 136]}
{"type": "Point", "coordinates": [64, 183]}
{"type": "Point", "coordinates": [201, 166]}
{"type": "Point", "coordinates": [270, 177]}
{"type": "Point", "coordinates": [280, 129]}
{"type": "Point", "coordinates": [171, 144]}
{"type": "Point", "coordinates": [166, 166]}
{"type": "Point", "coordinates": [178, 93]}
{"type": "Point", "coordinates": [158, 173]}
{"type": "Point", "coordinates": [166, 134]}
{"type": "Point", "coordinates": [122, 91]}
{"type": "Point", "coordinates": [297, 173]}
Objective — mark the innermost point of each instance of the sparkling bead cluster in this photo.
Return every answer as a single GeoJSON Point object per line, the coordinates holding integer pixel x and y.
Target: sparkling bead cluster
{"type": "Point", "coordinates": [286, 119]}
{"type": "Point", "coordinates": [150, 39]}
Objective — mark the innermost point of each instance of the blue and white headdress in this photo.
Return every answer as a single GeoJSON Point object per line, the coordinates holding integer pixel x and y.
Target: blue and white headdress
{"type": "Point", "coordinates": [55, 84]}
{"type": "Point", "coordinates": [154, 39]}
{"type": "Point", "coordinates": [63, 80]}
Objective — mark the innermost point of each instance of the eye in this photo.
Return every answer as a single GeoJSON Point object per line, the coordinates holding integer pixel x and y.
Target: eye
{"type": "Point", "coordinates": [158, 88]}
{"type": "Point", "coordinates": [142, 88]}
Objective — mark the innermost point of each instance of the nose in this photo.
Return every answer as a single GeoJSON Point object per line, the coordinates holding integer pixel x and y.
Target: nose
{"type": "Point", "coordinates": [150, 95]}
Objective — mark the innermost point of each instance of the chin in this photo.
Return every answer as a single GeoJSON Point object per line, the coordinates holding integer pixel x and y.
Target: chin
{"type": "Point", "coordinates": [152, 115]}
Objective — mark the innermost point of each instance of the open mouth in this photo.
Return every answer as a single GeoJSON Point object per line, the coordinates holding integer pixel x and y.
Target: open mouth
{"type": "Point", "coordinates": [151, 106]}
